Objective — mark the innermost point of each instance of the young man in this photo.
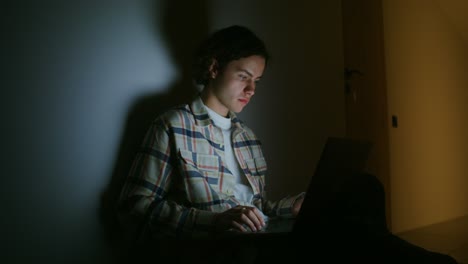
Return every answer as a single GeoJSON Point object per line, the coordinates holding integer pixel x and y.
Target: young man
{"type": "Point", "coordinates": [201, 170]}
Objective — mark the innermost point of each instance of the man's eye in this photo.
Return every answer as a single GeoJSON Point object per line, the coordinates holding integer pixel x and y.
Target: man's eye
{"type": "Point", "coordinates": [243, 77]}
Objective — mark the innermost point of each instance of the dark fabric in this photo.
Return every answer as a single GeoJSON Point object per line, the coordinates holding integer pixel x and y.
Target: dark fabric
{"type": "Point", "coordinates": [352, 229]}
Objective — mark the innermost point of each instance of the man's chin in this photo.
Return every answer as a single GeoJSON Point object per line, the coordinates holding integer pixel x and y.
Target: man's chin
{"type": "Point", "coordinates": [238, 110]}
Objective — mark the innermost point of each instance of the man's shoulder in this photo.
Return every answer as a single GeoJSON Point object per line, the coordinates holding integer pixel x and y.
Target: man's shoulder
{"type": "Point", "coordinates": [181, 109]}
{"type": "Point", "coordinates": [174, 114]}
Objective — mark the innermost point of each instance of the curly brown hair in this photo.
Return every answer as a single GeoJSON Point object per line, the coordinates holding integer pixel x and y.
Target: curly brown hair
{"type": "Point", "coordinates": [225, 45]}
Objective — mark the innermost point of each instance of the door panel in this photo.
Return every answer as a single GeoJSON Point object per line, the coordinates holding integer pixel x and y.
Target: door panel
{"type": "Point", "coordinates": [365, 86]}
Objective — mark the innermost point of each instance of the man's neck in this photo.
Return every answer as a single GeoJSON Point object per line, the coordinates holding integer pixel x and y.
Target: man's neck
{"type": "Point", "coordinates": [211, 101]}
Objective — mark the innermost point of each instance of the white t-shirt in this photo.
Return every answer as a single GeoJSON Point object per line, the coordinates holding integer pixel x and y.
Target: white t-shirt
{"type": "Point", "coordinates": [243, 191]}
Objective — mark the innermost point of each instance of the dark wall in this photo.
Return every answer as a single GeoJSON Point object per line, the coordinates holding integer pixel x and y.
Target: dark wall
{"type": "Point", "coordinates": [81, 81]}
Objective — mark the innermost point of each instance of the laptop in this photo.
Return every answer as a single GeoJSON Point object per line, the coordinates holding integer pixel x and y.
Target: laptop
{"type": "Point", "coordinates": [341, 158]}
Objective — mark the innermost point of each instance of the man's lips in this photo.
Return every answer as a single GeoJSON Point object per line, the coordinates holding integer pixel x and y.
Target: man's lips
{"type": "Point", "coordinates": [243, 100]}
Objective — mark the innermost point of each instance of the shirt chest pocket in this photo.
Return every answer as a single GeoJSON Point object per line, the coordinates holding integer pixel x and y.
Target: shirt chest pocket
{"type": "Point", "coordinates": [198, 166]}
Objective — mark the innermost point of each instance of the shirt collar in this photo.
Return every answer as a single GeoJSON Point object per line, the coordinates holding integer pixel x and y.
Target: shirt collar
{"type": "Point", "coordinates": [203, 119]}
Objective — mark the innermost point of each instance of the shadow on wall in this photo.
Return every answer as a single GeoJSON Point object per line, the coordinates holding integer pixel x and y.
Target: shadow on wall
{"type": "Point", "coordinates": [184, 25]}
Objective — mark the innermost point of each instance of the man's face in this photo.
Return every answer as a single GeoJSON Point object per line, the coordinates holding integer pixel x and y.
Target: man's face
{"type": "Point", "coordinates": [233, 88]}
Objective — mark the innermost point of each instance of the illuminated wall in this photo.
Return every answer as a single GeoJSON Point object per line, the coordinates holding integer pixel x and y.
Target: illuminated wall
{"type": "Point", "coordinates": [427, 65]}
{"type": "Point", "coordinates": [82, 79]}
{"type": "Point", "coordinates": [300, 101]}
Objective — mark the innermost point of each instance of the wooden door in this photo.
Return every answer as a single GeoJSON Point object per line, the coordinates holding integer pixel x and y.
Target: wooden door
{"type": "Point", "coordinates": [365, 85]}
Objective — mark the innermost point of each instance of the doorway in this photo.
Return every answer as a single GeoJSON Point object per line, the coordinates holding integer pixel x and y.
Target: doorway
{"type": "Point", "coordinates": [365, 84]}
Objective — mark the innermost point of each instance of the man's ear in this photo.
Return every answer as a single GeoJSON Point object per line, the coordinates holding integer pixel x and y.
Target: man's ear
{"type": "Point", "coordinates": [213, 69]}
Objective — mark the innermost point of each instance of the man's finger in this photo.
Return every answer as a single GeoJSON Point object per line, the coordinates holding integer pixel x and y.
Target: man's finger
{"type": "Point", "coordinates": [255, 216]}
{"type": "Point", "coordinates": [247, 221]}
{"type": "Point", "coordinates": [239, 226]}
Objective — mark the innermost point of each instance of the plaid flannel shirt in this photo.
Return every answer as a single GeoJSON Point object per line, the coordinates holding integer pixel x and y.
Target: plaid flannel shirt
{"type": "Point", "coordinates": [179, 179]}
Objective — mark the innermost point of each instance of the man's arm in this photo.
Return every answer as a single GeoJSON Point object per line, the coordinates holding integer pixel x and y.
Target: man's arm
{"type": "Point", "coordinates": [147, 186]}
{"type": "Point", "coordinates": [286, 207]}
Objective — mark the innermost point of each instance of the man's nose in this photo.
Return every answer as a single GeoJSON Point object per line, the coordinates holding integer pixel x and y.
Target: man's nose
{"type": "Point", "coordinates": [250, 88]}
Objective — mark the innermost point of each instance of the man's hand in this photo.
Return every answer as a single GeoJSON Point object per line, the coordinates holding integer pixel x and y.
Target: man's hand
{"type": "Point", "coordinates": [236, 217]}
{"type": "Point", "coordinates": [297, 206]}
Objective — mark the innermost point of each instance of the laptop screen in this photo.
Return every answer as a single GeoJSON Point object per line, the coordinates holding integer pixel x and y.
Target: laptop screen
{"type": "Point", "coordinates": [341, 158]}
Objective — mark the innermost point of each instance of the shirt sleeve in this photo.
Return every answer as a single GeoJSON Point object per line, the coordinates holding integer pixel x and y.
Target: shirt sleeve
{"type": "Point", "coordinates": [145, 192]}
{"type": "Point", "coordinates": [281, 208]}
